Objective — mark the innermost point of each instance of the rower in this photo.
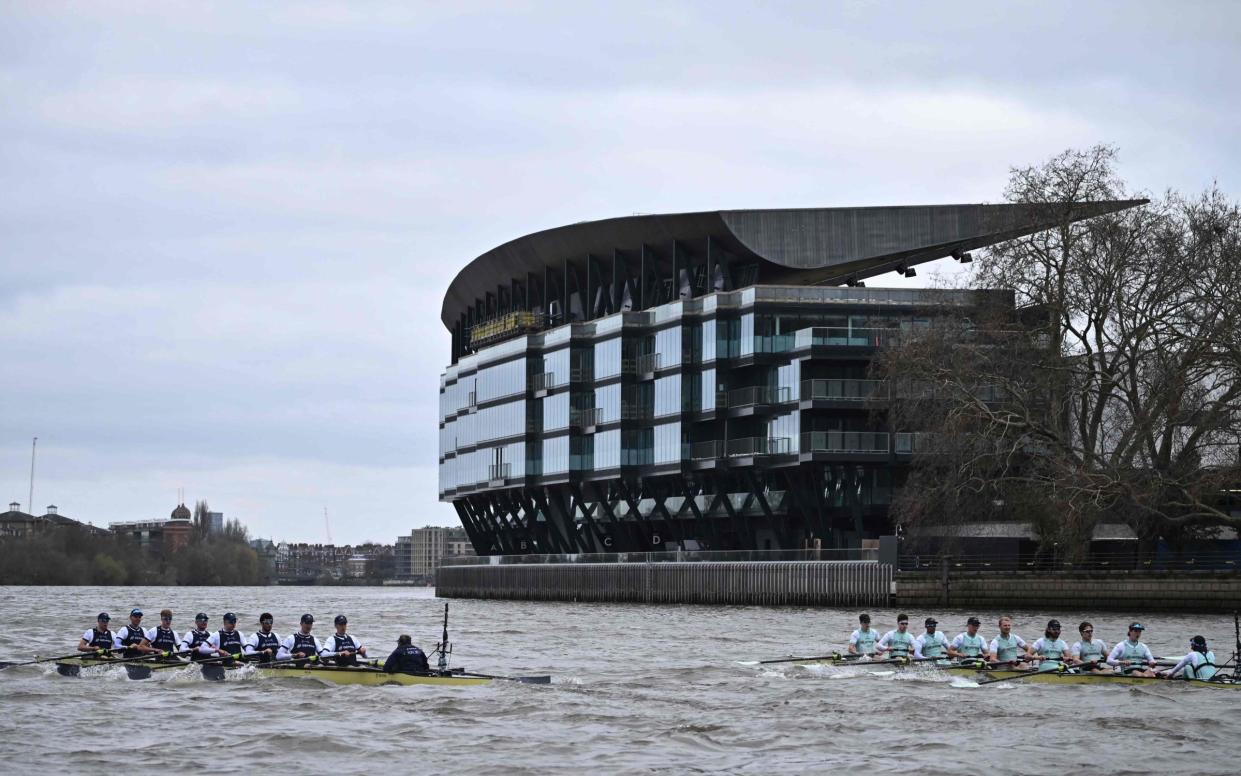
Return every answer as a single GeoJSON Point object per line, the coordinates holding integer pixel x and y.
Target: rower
{"type": "Point", "coordinates": [342, 648]}
{"type": "Point", "coordinates": [1090, 653]}
{"type": "Point", "coordinates": [1198, 664]}
{"type": "Point", "coordinates": [1051, 650]}
{"type": "Point", "coordinates": [969, 644]}
{"type": "Point", "coordinates": [1008, 647]}
{"type": "Point", "coordinates": [162, 638]}
{"type": "Point", "coordinates": [407, 658]}
{"type": "Point", "coordinates": [862, 641]}
{"type": "Point", "coordinates": [899, 642]}
{"type": "Point", "coordinates": [194, 640]}
{"type": "Point", "coordinates": [301, 645]}
{"type": "Point", "coordinates": [263, 644]}
{"type": "Point", "coordinates": [99, 638]}
{"type": "Point", "coordinates": [132, 638]}
{"type": "Point", "coordinates": [1132, 657]}
{"type": "Point", "coordinates": [226, 641]}
{"type": "Point", "coordinates": [933, 643]}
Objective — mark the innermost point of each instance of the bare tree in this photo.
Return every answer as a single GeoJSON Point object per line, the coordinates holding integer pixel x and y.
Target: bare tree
{"type": "Point", "coordinates": [1114, 390]}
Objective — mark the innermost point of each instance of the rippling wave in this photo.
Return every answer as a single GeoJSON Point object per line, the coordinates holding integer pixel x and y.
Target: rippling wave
{"type": "Point", "coordinates": [637, 689]}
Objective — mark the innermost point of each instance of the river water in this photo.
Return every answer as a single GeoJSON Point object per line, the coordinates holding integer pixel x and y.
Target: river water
{"type": "Point", "coordinates": [637, 689]}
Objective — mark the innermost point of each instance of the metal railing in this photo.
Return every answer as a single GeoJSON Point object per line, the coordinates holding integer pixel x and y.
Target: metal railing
{"type": "Point", "coordinates": [759, 446]}
{"type": "Point", "coordinates": [910, 442]}
{"type": "Point", "coordinates": [706, 451]}
{"type": "Point", "coordinates": [844, 336]}
{"type": "Point", "coordinates": [844, 390]}
{"type": "Point", "coordinates": [544, 381]}
{"type": "Point", "coordinates": [649, 362]}
{"type": "Point", "coordinates": [844, 442]}
{"type": "Point", "coordinates": [585, 417]}
{"type": "Point", "coordinates": [670, 556]}
{"type": "Point", "coordinates": [497, 472]}
{"type": "Point", "coordinates": [753, 396]}
{"type": "Point", "coordinates": [1214, 561]}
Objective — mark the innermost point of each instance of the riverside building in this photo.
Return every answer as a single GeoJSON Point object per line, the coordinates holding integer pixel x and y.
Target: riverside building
{"type": "Point", "coordinates": [694, 381]}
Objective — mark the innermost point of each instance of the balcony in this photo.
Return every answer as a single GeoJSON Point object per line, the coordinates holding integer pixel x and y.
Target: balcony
{"type": "Point", "coordinates": [753, 396]}
{"type": "Point", "coordinates": [845, 442]}
{"type": "Point", "coordinates": [706, 451]}
{"type": "Point", "coordinates": [909, 443]}
{"type": "Point", "coordinates": [585, 418]}
{"type": "Point", "coordinates": [648, 363]}
{"type": "Point", "coordinates": [543, 382]}
{"type": "Point", "coordinates": [843, 336]}
{"type": "Point", "coordinates": [498, 474]}
{"type": "Point", "coordinates": [752, 446]}
{"type": "Point", "coordinates": [844, 390]}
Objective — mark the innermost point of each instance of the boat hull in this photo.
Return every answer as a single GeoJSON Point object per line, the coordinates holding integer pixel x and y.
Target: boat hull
{"type": "Point", "coordinates": [369, 677]}
{"type": "Point", "coordinates": [1041, 677]}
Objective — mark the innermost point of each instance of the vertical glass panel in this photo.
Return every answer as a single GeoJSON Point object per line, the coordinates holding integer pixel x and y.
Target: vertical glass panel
{"type": "Point", "coordinates": [556, 455]}
{"type": "Point", "coordinates": [707, 391]}
{"type": "Point", "coordinates": [707, 336]}
{"type": "Point", "coordinates": [556, 411]}
{"type": "Point", "coordinates": [607, 449]}
{"type": "Point", "coordinates": [557, 362]}
{"type": "Point", "coordinates": [607, 399]}
{"type": "Point", "coordinates": [667, 443]}
{"type": "Point", "coordinates": [607, 358]}
{"type": "Point", "coordinates": [668, 346]}
{"type": "Point", "coordinates": [668, 395]}
{"type": "Point", "coordinates": [747, 334]}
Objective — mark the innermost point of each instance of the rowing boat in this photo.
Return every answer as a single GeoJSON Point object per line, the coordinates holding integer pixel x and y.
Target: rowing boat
{"type": "Point", "coordinates": [355, 675]}
{"type": "Point", "coordinates": [993, 674]}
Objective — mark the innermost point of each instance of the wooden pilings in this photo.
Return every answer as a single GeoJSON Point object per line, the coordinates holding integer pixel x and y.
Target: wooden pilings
{"type": "Point", "coordinates": [804, 583]}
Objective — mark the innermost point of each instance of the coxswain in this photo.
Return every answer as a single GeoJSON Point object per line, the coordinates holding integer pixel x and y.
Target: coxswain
{"type": "Point", "coordinates": [98, 638]}
{"type": "Point", "coordinates": [969, 644]}
{"type": "Point", "coordinates": [1131, 656]}
{"type": "Point", "coordinates": [933, 643]}
{"type": "Point", "coordinates": [1089, 653]}
{"type": "Point", "coordinates": [263, 644]}
{"type": "Point", "coordinates": [162, 638]}
{"type": "Point", "coordinates": [301, 645]}
{"type": "Point", "coordinates": [193, 640]}
{"type": "Point", "coordinates": [1198, 664]}
{"type": "Point", "coordinates": [342, 648]}
{"type": "Point", "coordinates": [1008, 647]}
{"type": "Point", "coordinates": [407, 659]}
{"type": "Point", "coordinates": [132, 637]}
{"type": "Point", "coordinates": [226, 641]}
{"type": "Point", "coordinates": [1051, 651]}
{"type": "Point", "coordinates": [899, 642]}
{"type": "Point", "coordinates": [863, 640]}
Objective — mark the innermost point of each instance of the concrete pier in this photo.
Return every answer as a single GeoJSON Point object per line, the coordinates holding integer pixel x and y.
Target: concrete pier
{"type": "Point", "coordinates": [794, 583]}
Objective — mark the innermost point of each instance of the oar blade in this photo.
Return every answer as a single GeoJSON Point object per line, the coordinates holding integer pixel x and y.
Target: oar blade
{"type": "Point", "coordinates": [535, 679]}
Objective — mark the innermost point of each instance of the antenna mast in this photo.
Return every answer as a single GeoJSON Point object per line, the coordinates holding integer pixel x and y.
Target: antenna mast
{"type": "Point", "coordinates": [33, 446]}
{"type": "Point", "coordinates": [327, 527]}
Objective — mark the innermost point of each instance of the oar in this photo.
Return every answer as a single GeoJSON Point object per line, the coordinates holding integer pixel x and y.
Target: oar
{"type": "Point", "coordinates": [544, 679]}
{"type": "Point", "coordinates": [833, 656]}
{"type": "Point", "coordinates": [207, 662]}
{"type": "Point", "coordinates": [5, 664]}
{"type": "Point", "coordinates": [148, 656]}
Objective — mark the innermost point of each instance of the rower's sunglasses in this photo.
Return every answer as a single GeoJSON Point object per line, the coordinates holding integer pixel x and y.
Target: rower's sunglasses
{"type": "Point", "coordinates": [265, 621]}
{"type": "Point", "coordinates": [166, 618]}
{"type": "Point", "coordinates": [1087, 630]}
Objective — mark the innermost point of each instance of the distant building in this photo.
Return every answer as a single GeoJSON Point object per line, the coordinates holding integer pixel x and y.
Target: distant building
{"type": "Point", "coordinates": [159, 535]}
{"type": "Point", "coordinates": [215, 522]}
{"type": "Point", "coordinates": [419, 554]}
{"type": "Point", "coordinates": [15, 522]}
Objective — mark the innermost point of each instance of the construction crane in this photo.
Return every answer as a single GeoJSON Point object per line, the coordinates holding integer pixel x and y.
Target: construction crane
{"type": "Point", "coordinates": [327, 526]}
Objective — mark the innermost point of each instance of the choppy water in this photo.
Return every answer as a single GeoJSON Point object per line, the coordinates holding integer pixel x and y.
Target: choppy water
{"type": "Point", "coordinates": [638, 689]}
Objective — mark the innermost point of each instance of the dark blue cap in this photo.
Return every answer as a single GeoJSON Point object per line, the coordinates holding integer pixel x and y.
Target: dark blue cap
{"type": "Point", "coordinates": [135, 612]}
{"type": "Point", "coordinates": [201, 616]}
{"type": "Point", "coordinates": [103, 616]}
{"type": "Point", "coordinates": [341, 620]}
{"type": "Point", "coordinates": [230, 617]}
{"type": "Point", "coordinates": [307, 618]}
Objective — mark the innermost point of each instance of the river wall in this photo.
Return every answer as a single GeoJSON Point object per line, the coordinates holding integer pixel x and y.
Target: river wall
{"type": "Point", "coordinates": [1152, 591]}
{"type": "Point", "coordinates": [805, 583]}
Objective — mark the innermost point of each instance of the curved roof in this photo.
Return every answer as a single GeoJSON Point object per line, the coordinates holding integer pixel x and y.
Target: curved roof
{"type": "Point", "coordinates": [800, 246]}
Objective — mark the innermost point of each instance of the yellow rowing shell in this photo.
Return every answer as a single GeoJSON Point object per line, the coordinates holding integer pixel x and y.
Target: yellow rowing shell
{"type": "Point", "coordinates": [369, 677]}
{"type": "Point", "coordinates": [365, 676]}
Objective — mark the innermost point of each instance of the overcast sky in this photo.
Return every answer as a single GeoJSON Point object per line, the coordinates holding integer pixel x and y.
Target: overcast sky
{"type": "Point", "coordinates": [225, 231]}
